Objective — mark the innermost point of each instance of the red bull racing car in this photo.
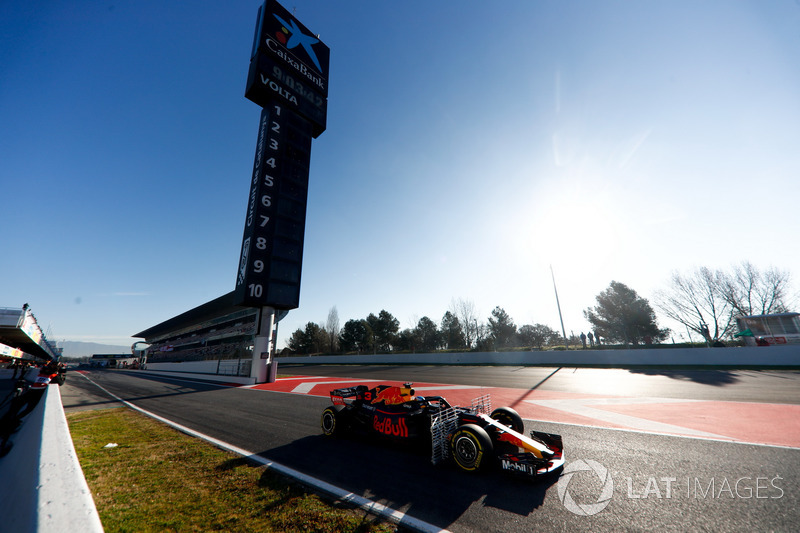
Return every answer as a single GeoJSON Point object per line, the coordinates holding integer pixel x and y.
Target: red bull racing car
{"type": "Point", "coordinates": [474, 438]}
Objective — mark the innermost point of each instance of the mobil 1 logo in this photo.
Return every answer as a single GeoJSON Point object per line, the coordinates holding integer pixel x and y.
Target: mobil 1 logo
{"type": "Point", "coordinates": [272, 244]}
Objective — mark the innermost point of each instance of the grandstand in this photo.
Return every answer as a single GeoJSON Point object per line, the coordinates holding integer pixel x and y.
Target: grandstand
{"type": "Point", "coordinates": [22, 338]}
{"type": "Point", "coordinates": [216, 330]}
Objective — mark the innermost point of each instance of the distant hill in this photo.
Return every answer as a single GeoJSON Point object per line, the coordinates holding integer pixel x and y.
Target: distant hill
{"type": "Point", "coordinates": [74, 349]}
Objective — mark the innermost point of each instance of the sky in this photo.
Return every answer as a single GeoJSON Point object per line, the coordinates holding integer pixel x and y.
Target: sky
{"type": "Point", "coordinates": [471, 147]}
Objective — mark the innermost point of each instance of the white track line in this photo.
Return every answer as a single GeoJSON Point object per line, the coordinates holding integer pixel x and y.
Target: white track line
{"type": "Point", "coordinates": [393, 515]}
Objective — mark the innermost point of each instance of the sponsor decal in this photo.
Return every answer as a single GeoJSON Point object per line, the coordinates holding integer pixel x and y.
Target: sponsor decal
{"type": "Point", "coordinates": [296, 37]}
{"type": "Point", "coordinates": [516, 466]}
{"type": "Point", "coordinates": [393, 395]}
{"type": "Point", "coordinates": [293, 45]}
{"type": "Point", "coordinates": [243, 261]}
{"type": "Point", "coordinates": [299, 67]}
{"type": "Point", "coordinates": [394, 426]}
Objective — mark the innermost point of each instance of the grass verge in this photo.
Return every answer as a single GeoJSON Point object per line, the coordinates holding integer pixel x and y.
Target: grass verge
{"type": "Point", "coordinates": [159, 479]}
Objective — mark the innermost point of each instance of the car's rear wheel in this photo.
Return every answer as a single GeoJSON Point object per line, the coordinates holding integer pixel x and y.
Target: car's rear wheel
{"type": "Point", "coordinates": [509, 417]}
{"type": "Point", "coordinates": [331, 421]}
{"type": "Point", "coordinates": [471, 447]}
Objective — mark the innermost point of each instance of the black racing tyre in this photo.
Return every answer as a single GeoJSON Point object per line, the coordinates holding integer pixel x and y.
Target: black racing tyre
{"type": "Point", "coordinates": [471, 447]}
{"type": "Point", "coordinates": [331, 421]}
{"type": "Point", "coordinates": [509, 417]}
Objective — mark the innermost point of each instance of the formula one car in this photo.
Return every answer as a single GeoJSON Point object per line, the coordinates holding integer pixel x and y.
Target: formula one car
{"type": "Point", "coordinates": [470, 437]}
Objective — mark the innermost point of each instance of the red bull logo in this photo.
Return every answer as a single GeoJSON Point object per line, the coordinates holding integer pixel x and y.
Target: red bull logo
{"type": "Point", "coordinates": [391, 426]}
{"type": "Point", "coordinates": [393, 395]}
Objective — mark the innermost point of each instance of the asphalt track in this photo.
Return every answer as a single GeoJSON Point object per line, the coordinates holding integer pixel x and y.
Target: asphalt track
{"type": "Point", "coordinates": [630, 463]}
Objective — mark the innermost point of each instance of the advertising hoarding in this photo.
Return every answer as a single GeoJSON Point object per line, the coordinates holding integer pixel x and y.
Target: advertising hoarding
{"type": "Point", "coordinates": [290, 63]}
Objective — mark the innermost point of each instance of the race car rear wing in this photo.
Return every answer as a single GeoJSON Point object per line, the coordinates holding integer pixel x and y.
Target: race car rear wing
{"type": "Point", "coordinates": [338, 395]}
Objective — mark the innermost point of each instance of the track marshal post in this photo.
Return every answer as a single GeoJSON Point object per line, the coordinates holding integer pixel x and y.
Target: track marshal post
{"type": "Point", "coordinates": [288, 78]}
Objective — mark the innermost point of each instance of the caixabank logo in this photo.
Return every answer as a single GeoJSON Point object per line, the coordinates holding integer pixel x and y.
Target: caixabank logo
{"type": "Point", "coordinates": [283, 37]}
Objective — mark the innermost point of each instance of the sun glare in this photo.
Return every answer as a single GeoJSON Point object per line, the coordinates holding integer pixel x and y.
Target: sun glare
{"type": "Point", "coordinates": [573, 228]}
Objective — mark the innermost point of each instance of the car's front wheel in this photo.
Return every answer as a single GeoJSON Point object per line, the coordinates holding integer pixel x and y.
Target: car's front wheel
{"type": "Point", "coordinates": [509, 417]}
{"type": "Point", "coordinates": [471, 447]}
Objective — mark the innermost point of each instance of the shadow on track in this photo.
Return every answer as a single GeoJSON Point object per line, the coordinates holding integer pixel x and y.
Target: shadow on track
{"type": "Point", "coordinates": [101, 398]}
{"type": "Point", "coordinates": [406, 480]}
{"type": "Point", "coordinates": [718, 378]}
{"type": "Point", "coordinates": [533, 388]}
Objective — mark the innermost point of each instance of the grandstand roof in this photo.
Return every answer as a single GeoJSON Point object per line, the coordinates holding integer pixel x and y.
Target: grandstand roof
{"type": "Point", "coordinates": [215, 308]}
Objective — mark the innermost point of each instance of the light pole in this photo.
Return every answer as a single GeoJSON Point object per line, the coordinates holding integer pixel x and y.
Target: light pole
{"type": "Point", "coordinates": [563, 331]}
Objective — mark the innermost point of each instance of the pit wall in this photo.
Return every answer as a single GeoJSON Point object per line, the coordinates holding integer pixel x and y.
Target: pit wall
{"type": "Point", "coordinates": [43, 488]}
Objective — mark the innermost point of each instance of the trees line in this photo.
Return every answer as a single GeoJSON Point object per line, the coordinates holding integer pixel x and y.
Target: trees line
{"type": "Point", "coordinates": [705, 301]}
{"type": "Point", "coordinates": [381, 333]}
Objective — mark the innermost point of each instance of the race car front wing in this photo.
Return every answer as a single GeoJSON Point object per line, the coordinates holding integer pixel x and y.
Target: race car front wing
{"type": "Point", "coordinates": [549, 448]}
{"type": "Point", "coordinates": [526, 464]}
